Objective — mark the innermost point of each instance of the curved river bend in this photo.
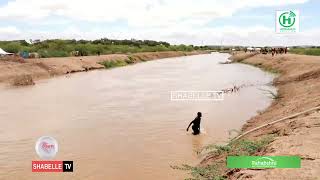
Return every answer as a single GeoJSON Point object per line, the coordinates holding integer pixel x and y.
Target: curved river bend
{"type": "Point", "coordinates": [120, 123]}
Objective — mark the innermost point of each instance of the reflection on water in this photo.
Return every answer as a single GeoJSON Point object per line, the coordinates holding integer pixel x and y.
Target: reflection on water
{"type": "Point", "coordinates": [197, 143]}
{"type": "Point", "coordinates": [120, 123]}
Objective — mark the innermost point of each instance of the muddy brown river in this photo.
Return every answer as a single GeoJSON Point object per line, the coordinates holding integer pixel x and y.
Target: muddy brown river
{"type": "Point", "coordinates": [120, 123]}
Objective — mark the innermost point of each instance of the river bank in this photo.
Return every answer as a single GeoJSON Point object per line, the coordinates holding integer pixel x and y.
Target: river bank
{"type": "Point", "coordinates": [25, 73]}
{"type": "Point", "coordinates": [298, 87]}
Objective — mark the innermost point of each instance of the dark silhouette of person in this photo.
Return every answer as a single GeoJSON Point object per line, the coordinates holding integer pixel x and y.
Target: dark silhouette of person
{"type": "Point", "coordinates": [196, 124]}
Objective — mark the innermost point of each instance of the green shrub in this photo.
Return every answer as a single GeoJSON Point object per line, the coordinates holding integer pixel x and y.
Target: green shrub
{"type": "Point", "coordinates": [12, 47]}
{"type": "Point", "coordinates": [52, 53]}
{"type": "Point", "coordinates": [113, 63]}
{"type": "Point", "coordinates": [239, 147]}
{"type": "Point", "coordinates": [130, 60]}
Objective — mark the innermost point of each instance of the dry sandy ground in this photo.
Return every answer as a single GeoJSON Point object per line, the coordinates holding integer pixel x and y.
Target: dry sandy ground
{"type": "Point", "coordinates": [11, 71]}
{"type": "Point", "coordinates": [299, 88]}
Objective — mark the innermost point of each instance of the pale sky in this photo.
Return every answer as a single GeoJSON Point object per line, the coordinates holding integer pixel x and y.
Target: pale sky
{"type": "Point", "coordinates": [214, 22]}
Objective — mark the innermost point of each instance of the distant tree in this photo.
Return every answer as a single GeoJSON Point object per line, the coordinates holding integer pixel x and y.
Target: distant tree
{"type": "Point", "coordinates": [12, 47]}
{"type": "Point", "coordinates": [24, 43]}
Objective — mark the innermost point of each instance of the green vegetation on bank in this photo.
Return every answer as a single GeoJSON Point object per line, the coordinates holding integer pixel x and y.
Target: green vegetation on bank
{"type": "Point", "coordinates": [115, 63]}
{"type": "Point", "coordinates": [64, 48]}
{"type": "Point", "coordinates": [240, 147]}
{"type": "Point", "coordinates": [216, 169]}
{"type": "Point", "coordinates": [306, 51]}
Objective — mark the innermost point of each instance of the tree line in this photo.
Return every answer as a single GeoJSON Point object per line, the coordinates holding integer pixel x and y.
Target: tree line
{"type": "Point", "coordinates": [64, 48]}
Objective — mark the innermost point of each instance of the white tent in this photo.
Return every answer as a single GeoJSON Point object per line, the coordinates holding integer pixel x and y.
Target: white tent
{"type": "Point", "coordinates": [2, 52]}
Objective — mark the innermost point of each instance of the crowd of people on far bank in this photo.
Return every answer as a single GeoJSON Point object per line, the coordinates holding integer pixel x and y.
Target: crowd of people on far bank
{"type": "Point", "coordinates": [272, 51]}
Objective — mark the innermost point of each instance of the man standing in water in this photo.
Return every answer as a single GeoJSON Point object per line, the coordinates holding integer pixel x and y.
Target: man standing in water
{"type": "Point", "coordinates": [196, 124]}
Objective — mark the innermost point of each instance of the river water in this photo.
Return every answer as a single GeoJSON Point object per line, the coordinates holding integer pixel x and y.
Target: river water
{"type": "Point", "coordinates": [121, 123]}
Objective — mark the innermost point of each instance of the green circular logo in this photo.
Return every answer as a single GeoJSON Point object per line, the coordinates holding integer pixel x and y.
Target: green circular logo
{"type": "Point", "coordinates": [287, 19]}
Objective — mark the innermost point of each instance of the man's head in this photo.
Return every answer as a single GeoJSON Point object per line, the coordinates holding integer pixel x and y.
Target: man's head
{"type": "Point", "coordinates": [199, 114]}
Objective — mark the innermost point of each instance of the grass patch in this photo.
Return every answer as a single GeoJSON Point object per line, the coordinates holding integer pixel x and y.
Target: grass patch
{"type": "Point", "coordinates": [217, 169]}
{"type": "Point", "coordinates": [201, 173]}
{"type": "Point", "coordinates": [306, 51]}
{"type": "Point", "coordinates": [118, 63]}
{"type": "Point", "coordinates": [114, 63]}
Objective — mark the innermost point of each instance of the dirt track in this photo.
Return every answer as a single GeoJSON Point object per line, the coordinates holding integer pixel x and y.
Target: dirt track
{"type": "Point", "coordinates": [43, 68]}
{"type": "Point", "coordinates": [298, 89]}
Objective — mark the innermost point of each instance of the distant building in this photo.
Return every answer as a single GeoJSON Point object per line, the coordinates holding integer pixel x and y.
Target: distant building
{"type": "Point", "coordinates": [33, 41]}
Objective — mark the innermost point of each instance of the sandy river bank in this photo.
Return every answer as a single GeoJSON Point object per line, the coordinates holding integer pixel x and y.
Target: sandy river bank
{"type": "Point", "coordinates": [43, 68]}
{"type": "Point", "coordinates": [298, 87]}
